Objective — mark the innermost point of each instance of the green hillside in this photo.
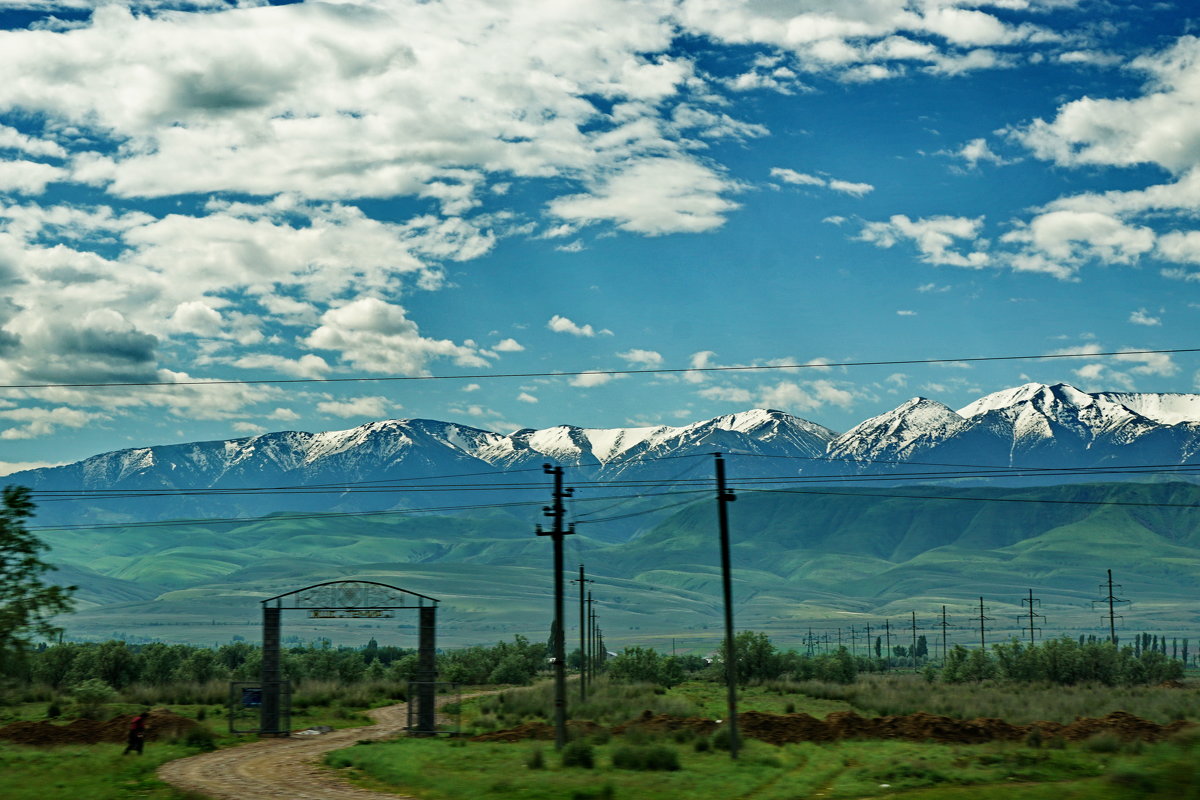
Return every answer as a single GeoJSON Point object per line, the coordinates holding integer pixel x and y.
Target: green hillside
{"type": "Point", "coordinates": [825, 560]}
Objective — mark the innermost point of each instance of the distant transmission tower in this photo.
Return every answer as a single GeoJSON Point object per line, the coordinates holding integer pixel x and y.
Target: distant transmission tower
{"type": "Point", "coordinates": [983, 619]}
{"type": "Point", "coordinates": [1032, 615]}
{"type": "Point", "coordinates": [1112, 600]}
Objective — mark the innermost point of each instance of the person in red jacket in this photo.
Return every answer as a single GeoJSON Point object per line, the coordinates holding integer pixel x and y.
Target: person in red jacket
{"type": "Point", "coordinates": [137, 733]}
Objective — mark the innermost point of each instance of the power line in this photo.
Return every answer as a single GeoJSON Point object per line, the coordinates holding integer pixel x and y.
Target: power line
{"type": "Point", "coordinates": [573, 373]}
{"type": "Point", "coordinates": [979, 499]}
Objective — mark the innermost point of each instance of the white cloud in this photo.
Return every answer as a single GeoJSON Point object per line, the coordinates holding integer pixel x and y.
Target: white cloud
{"type": "Point", "coordinates": [653, 196]}
{"type": "Point", "coordinates": [471, 387]}
{"type": "Point", "coordinates": [284, 414]}
{"type": "Point", "coordinates": [508, 346]}
{"type": "Point", "coordinates": [645, 358]}
{"type": "Point", "coordinates": [590, 378]}
{"type": "Point", "coordinates": [904, 312]}
{"type": "Point", "coordinates": [934, 237]}
{"type": "Point", "coordinates": [376, 336]}
{"type": "Point", "coordinates": [306, 366]}
{"type": "Point", "coordinates": [975, 152]}
{"type": "Point", "coordinates": [526, 397]}
{"type": "Point", "coordinates": [374, 407]}
{"type": "Point", "coordinates": [44, 421]}
{"type": "Point", "coordinates": [803, 179]}
{"type": "Point", "coordinates": [28, 177]}
{"type": "Point", "coordinates": [248, 427]}
{"type": "Point", "coordinates": [1140, 317]}
{"type": "Point", "coordinates": [1160, 364]}
{"type": "Point", "coordinates": [560, 324]}
{"type": "Point", "coordinates": [9, 467]}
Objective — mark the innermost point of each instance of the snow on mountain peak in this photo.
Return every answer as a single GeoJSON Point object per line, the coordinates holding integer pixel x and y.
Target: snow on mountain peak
{"type": "Point", "coordinates": [1039, 394]}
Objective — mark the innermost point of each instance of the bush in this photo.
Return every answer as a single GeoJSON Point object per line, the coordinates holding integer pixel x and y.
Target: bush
{"type": "Point", "coordinates": [91, 695]}
{"type": "Point", "coordinates": [579, 754]}
{"type": "Point", "coordinates": [53, 710]}
{"type": "Point", "coordinates": [722, 738]}
{"type": "Point", "coordinates": [702, 745]}
{"type": "Point", "coordinates": [652, 758]}
{"type": "Point", "coordinates": [200, 738]}
{"type": "Point", "coordinates": [536, 759]}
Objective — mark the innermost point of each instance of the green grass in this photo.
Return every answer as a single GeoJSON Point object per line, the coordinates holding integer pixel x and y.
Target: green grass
{"type": "Point", "coordinates": [449, 770]}
{"type": "Point", "coordinates": [86, 772]}
{"type": "Point", "coordinates": [881, 695]}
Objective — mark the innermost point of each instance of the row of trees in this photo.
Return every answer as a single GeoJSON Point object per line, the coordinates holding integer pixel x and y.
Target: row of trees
{"type": "Point", "coordinates": [120, 665]}
{"type": "Point", "coordinates": [1062, 661]}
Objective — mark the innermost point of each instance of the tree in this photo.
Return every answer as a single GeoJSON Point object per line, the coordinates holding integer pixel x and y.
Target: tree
{"type": "Point", "coordinates": [27, 604]}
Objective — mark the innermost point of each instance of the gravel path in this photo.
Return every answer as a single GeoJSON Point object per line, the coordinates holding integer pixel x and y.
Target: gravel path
{"type": "Point", "coordinates": [281, 769]}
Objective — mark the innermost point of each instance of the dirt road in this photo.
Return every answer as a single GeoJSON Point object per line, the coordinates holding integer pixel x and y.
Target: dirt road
{"type": "Point", "coordinates": [281, 769]}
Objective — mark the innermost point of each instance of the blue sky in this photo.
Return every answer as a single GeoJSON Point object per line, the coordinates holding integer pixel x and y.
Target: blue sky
{"type": "Point", "coordinates": [216, 191]}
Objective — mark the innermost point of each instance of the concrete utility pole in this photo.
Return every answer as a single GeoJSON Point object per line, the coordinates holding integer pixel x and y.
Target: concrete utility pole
{"type": "Point", "coordinates": [944, 625]}
{"type": "Point", "coordinates": [724, 498]}
{"type": "Point", "coordinates": [582, 637]}
{"type": "Point", "coordinates": [557, 511]}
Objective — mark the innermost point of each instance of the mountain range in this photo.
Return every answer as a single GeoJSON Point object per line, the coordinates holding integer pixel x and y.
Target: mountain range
{"type": "Point", "coordinates": [1029, 434]}
{"type": "Point", "coordinates": [908, 511]}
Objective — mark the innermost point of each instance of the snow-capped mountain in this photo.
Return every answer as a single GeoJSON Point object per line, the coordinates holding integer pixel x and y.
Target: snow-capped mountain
{"type": "Point", "coordinates": [1032, 426]}
{"type": "Point", "coordinates": [1029, 427]}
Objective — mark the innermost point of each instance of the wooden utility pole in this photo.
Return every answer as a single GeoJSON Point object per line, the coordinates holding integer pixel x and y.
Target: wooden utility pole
{"type": "Point", "coordinates": [556, 512]}
{"type": "Point", "coordinates": [581, 580]}
{"type": "Point", "coordinates": [724, 498]}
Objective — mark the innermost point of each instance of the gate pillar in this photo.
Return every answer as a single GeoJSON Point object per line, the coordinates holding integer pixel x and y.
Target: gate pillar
{"type": "Point", "coordinates": [426, 671]}
{"type": "Point", "coordinates": [272, 677]}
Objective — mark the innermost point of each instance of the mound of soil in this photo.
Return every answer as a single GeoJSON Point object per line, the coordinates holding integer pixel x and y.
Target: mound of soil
{"type": "Point", "coordinates": [162, 724]}
{"type": "Point", "coordinates": [918, 727]}
{"type": "Point", "coordinates": [538, 730]}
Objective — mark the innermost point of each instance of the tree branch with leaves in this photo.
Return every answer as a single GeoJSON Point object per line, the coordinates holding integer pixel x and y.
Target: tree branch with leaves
{"type": "Point", "coordinates": [27, 602]}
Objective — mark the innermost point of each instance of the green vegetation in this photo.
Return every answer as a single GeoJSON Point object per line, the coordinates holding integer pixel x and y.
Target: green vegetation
{"type": "Point", "coordinates": [87, 772]}
{"type": "Point", "coordinates": [27, 602]}
{"type": "Point", "coordinates": [806, 558]}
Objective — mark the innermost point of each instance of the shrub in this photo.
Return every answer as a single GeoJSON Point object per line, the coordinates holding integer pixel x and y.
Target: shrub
{"type": "Point", "coordinates": [91, 695]}
{"type": "Point", "coordinates": [53, 710]}
{"type": "Point", "coordinates": [536, 759]}
{"type": "Point", "coordinates": [200, 738]}
{"type": "Point", "coordinates": [721, 738]}
{"type": "Point", "coordinates": [702, 745]}
{"type": "Point", "coordinates": [651, 758]}
{"type": "Point", "coordinates": [579, 754]}
{"type": "Point", "coordinates": [1104, 742]}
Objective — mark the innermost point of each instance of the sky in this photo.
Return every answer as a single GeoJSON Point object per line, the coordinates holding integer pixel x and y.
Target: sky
{"type": "Point", "coordinates": [205, 191]}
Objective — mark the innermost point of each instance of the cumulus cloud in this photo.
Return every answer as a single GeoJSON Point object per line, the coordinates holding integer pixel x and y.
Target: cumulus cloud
{"type": "Point", "coordinates": [40, 421]}
{"type": "Point", "coordinates": [653, 196]}
{"type": "Point", "coordinates": [591, 378]}
{"type": "Point", "coordinates": [1140, 317]}
{"type": "Point", "coordinates": [526, 397]}
{"type": "Point", "coordinates": [373, 335]}
{"type": "Point", "coordinates": [934, 238]}
{"type": "Point", "coordinates": [508, 346]}
{"type": "Point", "coordinates": [560, 324]}
{"type": "Point", "coordinates": [374, 407]}
{"type": "Point", "coordinates": [643, 358]}
{"type": "Point", "coordinates": [975, 152]}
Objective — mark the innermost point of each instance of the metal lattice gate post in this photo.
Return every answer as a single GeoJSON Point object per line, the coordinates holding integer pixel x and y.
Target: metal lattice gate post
{"type": "Point", "coordinates": [427, 672]}
{"type": "Point", "coordinates": [272, 678]}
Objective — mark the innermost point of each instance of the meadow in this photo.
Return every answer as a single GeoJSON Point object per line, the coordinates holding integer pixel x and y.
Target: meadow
{"type": "Point", "coordinates": [649, 764]}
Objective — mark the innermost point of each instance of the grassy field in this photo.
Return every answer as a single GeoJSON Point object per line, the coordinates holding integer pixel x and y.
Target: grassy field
{"type": "Point", "coordinates": [101, 772]}
{"type": "Point", "coordinates": [1103, 768]}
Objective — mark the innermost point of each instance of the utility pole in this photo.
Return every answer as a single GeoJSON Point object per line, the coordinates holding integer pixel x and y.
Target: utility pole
{"type": "Point", "coordinates": [557, 511]}
{"type": "Point", "coordinates": [887, 629]}
{"type": "Point", "coordinates": [868, 640]}
{"type": "Point", "coordinates": [839, 638]}
{"type": "Point", "coordinates": [589, 653]}
{"type": "Point", "coordinates": [944, 626]}
{"type": "Point", "coordinates": [982, 619]}
{"type": "Point", "coordinates": [1032, 614]}
{"type": "Point", "coordinates": [914, 643]}
{"type": "Point", "coordinates": [724, 498]}
{"type": "Point", "coordinates": [1112, 600]}
{"type": "Point", "coordinates": [582, 640]}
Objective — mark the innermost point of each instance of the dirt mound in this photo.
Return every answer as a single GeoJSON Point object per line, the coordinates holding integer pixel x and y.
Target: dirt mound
{"type": "Point", "coordinates": [162, 724]}
{"type": "Point", "coordinates": [665, 723]}
{"type": "Point", "coordinates": [918, 727]}
{"type": "Point", "coordinates": [539, 730]}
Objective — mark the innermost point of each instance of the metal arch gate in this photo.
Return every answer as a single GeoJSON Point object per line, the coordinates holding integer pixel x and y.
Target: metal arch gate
{"type": "Point", "coordinates": [346, 600]}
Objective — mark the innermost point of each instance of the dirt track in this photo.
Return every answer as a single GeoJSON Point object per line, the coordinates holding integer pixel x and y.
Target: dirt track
{"type": "Point", "coordinates": [281, 769]}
